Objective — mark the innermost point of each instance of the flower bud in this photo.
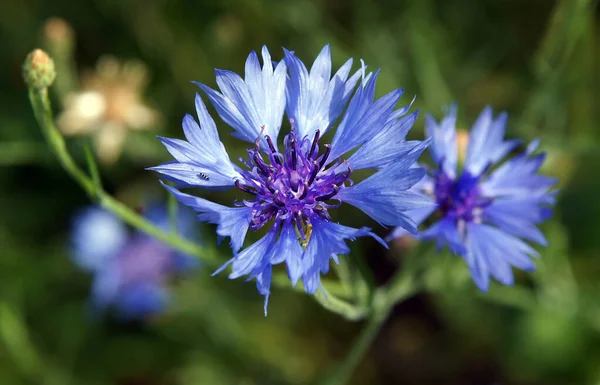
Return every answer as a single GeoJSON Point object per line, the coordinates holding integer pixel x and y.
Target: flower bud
{"type": "Point", "coordinates": [38, 70]}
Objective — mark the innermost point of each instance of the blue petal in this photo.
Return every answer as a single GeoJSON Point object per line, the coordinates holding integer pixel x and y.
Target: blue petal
{"type": "Point", "coordinates": [288, 250]}
{"type": "Point", "coordinates": [253, 106]}
{"type": "Point", "coordinates": [417, 216]}
{"type": "Point", "coordinates": [445, 232]}
{"type": "Point", "coordinates": [385, 147]}
{"type": "Point", "coordinates": [263, 284]}
{"type": "Point", "coordinates": [518, 177]}
{"type": "Point", "coordinates": [231, 221]}
{"type": "Point", "coordinates": [203, 162]}
{"type": "Point", "coordinates": [519, 217]}
{"type": "Point", "coordinates": [444, 148]}
{"type": "Point", "coordinates": [96, 237]}
{"type": "Point", "coordinates": [492, 252]}
{"type": "Point", "coordinates": [384, 196]}
{"type": "Point", "coordinates": [364, 118]}
{"type": "Point", "coordinates": [327, 241]}
{"type": "Point", "coordinates": [314, 101]}
{"type": "Point", "coordinates": [486, 142]}
{"type": "Point", "coordinates": [254, 257]}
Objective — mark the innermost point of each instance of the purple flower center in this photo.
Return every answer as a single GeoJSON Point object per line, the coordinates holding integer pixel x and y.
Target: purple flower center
{"type": "Point", "coordinates": [293, 185]}
{"type": "Point", "coordinates": [459, 198]}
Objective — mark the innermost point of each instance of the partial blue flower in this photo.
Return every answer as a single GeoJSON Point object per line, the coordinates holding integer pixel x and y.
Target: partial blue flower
{"type": "Point", "coordinates": [288, 186]}
{"type": "Point", "coordinates": [490, 207]}
{"type": "Point", "coordinates": [130, 269]}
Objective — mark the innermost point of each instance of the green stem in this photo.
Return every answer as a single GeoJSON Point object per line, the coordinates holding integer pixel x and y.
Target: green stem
{"type": "Point", "coordinates": [339, 306]}
{"type": "Point", "coordinates": [43, 113]}
{"type": "Point", "coordinates": [402, 286]}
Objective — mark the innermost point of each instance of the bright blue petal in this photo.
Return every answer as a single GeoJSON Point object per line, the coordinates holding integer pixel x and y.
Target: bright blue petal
{"type": "Point", "coordinates": [328, 239]}
{"type": "Point", "coordinates": [386, 146]}
{"type": "Point", "coordinates": [315, 100]}
{"type": "Point", "coordinates": [384, 196]}
{"type": "Point", "coordinates": [231, 222]}
{"type": "Point", "coordinates": [288, 250]}
{"type": "Point", "coordinates": [254, 257]}
{"type": "Point", "coordinates": [443, 148]}
{"type": "Point", "coordinates": [417, 216]}
{"type": "Point", "coordinates": [96, 237]}
{"type": "Point", "coordinates": [364, 118]}
{"type": "Point", "coordinates": [263, 284]}
{"type": "Point", "coordinates": [492, 252]}
{"type": "Point", "coordinates": [253, 106]}
{"type": "Point", "coordinates": [518, 177]}
{"type": "Point", "coordinates": [519, 217]}
{"type": "Point", "coordinates": [201, 162]}
{"type": "Point", "coordinates": [486, 142]}
{"type": "Point", "coordinates": [445, 232]}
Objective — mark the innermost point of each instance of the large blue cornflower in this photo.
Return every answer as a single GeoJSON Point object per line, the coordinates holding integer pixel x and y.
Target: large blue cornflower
{"type": "Point", "coordinates": [130, 269]}
{"type": "Point", "coordinates": [487, 208]}
{"type": "Point", "coordinates": [290, 187]}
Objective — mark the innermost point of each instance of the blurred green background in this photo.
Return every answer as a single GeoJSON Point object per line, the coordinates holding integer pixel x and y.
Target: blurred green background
{"type": "Point", "coordinates": [537, 59]}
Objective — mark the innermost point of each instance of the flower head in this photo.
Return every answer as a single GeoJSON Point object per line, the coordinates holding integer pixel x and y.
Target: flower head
{"type": "Point", "coordinates": [290, 187]}
{"type": "Point", "coordinates": [488, 209]}
{"type": "Point", "coordinates": [108, 106]}
{"type": "Point", "coordinates": [38, 70]}
{"type": "Point", "coordinates": [130, 270]}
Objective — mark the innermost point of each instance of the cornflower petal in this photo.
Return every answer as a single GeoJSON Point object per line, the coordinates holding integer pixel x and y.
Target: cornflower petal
{"type": "Point", "coordinates": [443, 148]}
{"type": "Point", "coordinates": [315, 100]}
{"type": "Point", "coordinates": [251, 106]}
{"type": "Point", "coordinates": [202, 161]}
{"type": "Point", "coordinates": [233, 222]}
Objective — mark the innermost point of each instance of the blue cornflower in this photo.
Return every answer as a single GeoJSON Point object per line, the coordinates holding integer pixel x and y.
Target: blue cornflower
{"type": "Point", "coordinates": [290, 187]}
{"type": "Point", "coordinates": [487, 208]}
{"type": "Point", "coordinates": [130, 269]}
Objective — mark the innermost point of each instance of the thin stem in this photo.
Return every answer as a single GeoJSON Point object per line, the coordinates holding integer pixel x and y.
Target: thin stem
{"type": "Point", "coordinates": [43, 113]}
{"type": "Point", "coordinates": [337, 305]}
{"type": "Point", "coordinates": [358, 350]}
{"type": "Point", "coordinates": [401, 287]}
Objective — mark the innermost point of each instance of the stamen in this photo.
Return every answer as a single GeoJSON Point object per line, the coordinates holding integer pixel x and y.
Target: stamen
{"type": "Point", "coordinates": [294, 150]}
{"type": "Point", "coordinates": [268, 184]}
{"type": "Point", "coordinates": [314, 144]}
{"type": "Point", "coordinates": [336, 189]}
{"type": "Point", "coordinates": [314, 172]}
{"type": "Point", "coordinates": [325, 156]}
{"type": "Point", "coordinates": [260, 163]}
{"type": "Point", "coordinates": [239, 185]}
{"type": "Point", "coordinates": [304, 191]}
{"type": "Point", "coordinates": [273, 150]}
